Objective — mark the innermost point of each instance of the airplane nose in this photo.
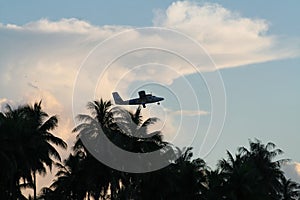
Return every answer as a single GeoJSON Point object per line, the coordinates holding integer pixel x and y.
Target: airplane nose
{"type": "Point", "coordinates": [161, 99]}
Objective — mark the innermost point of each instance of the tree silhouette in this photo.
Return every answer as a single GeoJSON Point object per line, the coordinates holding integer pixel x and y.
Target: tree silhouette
{"type": "Point", "coordinates": [290, 189]}
{"type": "Point", "coordinates": [99, 178]}
{"type": "Point", "coordinates": [42, 139]}
{"type": "Point", "coordinates": [238, 177]}
{"type": "Point", "coordinates": [71, 179]}
{"type": "Point", "coordinates": [27, 147]}
{"type": "Point", "coordinates": [252, 174]}
{"type": "Point", "coordinates": [268, 172]}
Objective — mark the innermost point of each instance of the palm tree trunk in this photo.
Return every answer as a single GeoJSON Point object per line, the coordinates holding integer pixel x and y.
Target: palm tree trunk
{"type": "Point", "coordinates": [34, 186]}
{"type": "Point", "coordinates": [14, 190]}
{"type": "Point", "coordinates": [88, 195]}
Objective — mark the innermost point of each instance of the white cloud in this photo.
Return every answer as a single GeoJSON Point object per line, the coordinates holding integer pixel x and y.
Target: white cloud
{"type": "Point", "coordinates": [65, 25]}
{"type": "Point", "coordinates": [231, 40]}
{"type": "Point", "coordinates": [41, 59]}
{"type": "Point", "coordinates": [3, 103]}
{"type": "Point", "coordinates": [190, 112]}
{"type": "Point", "coordinates": [57, 48]}
{"type": "Point", "coordinates": [292, 171]}
{"type": "Point", "coordinates": [44, 56]}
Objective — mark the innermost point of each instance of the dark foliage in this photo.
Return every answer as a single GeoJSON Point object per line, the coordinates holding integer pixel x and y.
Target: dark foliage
{"type": "Point", "coordinates": [26, 148]}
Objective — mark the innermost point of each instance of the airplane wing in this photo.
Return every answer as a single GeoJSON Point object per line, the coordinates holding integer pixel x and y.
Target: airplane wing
{"type": "Point", "coordinates": [142, 94]}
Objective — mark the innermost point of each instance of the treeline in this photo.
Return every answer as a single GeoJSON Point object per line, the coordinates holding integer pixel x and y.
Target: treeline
{"type": "Point", "coordinates": [28, 148]}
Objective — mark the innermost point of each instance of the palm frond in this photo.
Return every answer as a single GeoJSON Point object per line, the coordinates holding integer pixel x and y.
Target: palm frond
{"type": "Point", "coordinates": [55, 140]}
{"type": "Point", "coordinates": [150, 121]}
{"type": "Point", "coordinates": [50, 124]}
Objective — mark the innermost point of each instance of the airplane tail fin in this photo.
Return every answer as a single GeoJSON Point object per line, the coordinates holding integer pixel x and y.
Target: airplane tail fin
{"type": "Point", "coordinates": [117, 98]}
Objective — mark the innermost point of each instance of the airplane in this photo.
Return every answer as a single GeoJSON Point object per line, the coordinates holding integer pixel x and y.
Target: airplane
{"type": "Point", "coordinates": [142, 100]}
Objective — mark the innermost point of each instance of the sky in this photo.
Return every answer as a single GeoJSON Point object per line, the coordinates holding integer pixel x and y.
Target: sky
{"type": "Point", "coordinates": [228, 71]}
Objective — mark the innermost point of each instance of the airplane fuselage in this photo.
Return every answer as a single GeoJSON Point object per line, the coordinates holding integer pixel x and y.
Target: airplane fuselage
{"type": "Point", "coordinates": [145, 100]}
{"type": "Point", "coordinates": [142, 100]}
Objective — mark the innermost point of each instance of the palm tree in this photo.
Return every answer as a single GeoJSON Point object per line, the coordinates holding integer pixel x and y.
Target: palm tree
{"type": "Point", "coordinates": [125, 129]}
{"type": "Point", "coordinates": [252, 174]}
{"type": "Point", "coordinates": [14, 136]}
{"type": "Point", "coordinates": [135, 137]}
{"type": "Point", "coordinates": [131, 123]}
{"type": "Point", "coordinates": [26, 137]}
{"type": "Point", "coordinates": [71, 179]}
{"type": "Point", "coordinates": [100, 121]}
{"type": "Point", "coordinates": [268, 172]}
{"type": "Point", "coordinates": [135, 131]}
{"type": "Point", "coordinates": [40, 126]}
{"type": "Point", "coordinates": [238, 177]}
{"type": "Point", "coordinates": [191, 176]}
{"type": "Point", "coordinates": [215, 185]}
{"type": "Point", "coordinates": [183, 179]}
{"type": "Point", "coordinates": [48, 194]}
{"type": "Point", "coordinates": [290, 189]}
{"type": "Point", "coordinates": [8, 166]}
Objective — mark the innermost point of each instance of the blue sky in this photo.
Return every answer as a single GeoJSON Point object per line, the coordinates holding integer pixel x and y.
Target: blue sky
{"type": "Point", "coordinates": [263, 96]}
{"type": "Point", "coordinates": [282, 15]}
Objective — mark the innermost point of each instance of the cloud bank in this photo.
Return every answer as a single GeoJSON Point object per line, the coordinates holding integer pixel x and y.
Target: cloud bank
{"type": "Point", "coordinates": [41, 59]}
{"type": "Point", "coordinates": [292, 171]}
{"type": "Point", "coordinates": [232, 40]}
